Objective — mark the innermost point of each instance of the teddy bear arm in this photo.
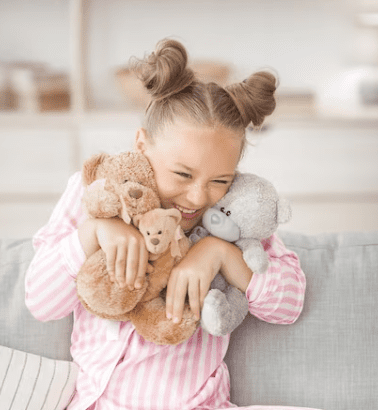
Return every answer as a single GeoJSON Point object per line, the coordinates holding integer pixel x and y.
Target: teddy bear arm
{"type": "Point", "coordinates": [254, 255]}
{"type": "Point", "coordinates": [101, 204]}
{"type": "Point", "coordinates": [99, 295]}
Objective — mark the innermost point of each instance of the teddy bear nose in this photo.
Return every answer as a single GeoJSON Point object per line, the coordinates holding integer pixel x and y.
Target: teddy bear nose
{"type": "Point", "coordinates": [155, 241]}
{"type": "Point", "coordinates": [215, 219]}
{"type": "Point", "coordinates": [135, 193]}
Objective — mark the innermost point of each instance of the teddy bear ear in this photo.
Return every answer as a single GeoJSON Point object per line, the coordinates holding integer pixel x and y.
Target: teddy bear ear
{"type": "Point", "coordinates": [136, 220]}
{"type": "Point", "coordinates": [174, 213]}
{"type": "Point", "coordinates": [90, 167]}
{"type": "Point", "coordinates": [283, 211]}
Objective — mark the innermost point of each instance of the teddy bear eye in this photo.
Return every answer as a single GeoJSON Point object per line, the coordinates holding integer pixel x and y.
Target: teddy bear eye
{"type": "Point", "coordinates": [148, 233]}
{"type": "Point", "coordinates": [228, 213]}
{"type": "Point", "coordinates": [160, 232]}
{"type": "Point", "coordinates": [126, 180]}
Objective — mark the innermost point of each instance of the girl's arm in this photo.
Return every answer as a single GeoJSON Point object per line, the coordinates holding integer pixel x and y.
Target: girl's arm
{"type": "Point", "coordinates": [62, 247]}
{"type": "Point", "coordinates": [50, 291]}
{"type": "Point", "coordinates": [275, 297]}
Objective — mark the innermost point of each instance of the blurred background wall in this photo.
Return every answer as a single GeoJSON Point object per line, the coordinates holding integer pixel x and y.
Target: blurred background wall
{"type": "Point", "coordinates": [65, 93]}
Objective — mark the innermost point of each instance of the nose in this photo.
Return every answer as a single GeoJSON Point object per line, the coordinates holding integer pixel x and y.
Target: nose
{"type": "Point", "coordinates": [135, 193]}
{"type": "Point", "coordinates": [198, 196]}
{"type": "Point", "coordinates": [155, 241]}
{"type": "Point", "coordinates": [215, 219]}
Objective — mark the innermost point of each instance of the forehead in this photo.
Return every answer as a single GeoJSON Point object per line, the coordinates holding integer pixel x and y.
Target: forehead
{"type": "Point", "coordinates": [198, 147]}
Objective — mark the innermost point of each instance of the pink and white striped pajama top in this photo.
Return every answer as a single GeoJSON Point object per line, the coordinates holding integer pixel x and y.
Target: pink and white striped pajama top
{"type": "Point", "coordinates": [119, 370]}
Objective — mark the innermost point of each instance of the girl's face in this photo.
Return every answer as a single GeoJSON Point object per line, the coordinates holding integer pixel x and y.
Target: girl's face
{"type": "Point", "coordinates": [194, 166]}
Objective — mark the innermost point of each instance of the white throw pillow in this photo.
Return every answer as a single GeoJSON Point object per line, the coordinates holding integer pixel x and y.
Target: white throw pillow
{"type": "Point", "coordinates": [33, 382]}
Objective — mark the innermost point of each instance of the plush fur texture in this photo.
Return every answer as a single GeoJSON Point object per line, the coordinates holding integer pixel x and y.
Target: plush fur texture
{"type": "Point", "coordinates": [249, 212]}
{"type": "Point", "coordinates": [123, 185]}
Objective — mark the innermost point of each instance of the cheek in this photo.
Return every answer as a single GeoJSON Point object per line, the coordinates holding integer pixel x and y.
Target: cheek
{"type": "Point", "coordinates": [167, 186]}
{"type": "Point", "coordinates": [217, 195]}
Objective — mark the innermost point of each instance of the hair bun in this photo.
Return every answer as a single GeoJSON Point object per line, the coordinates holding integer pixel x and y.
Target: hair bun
{"type": "Point", "coordinates": [254, 97]}
{"type": "Point", "coordinates": [164, 72]}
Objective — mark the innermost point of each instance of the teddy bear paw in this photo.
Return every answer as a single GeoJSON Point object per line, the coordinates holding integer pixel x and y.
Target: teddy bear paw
{"type": "Point", "coordinates": [215, 313]}
{"type": "Point", "coordinates": [197, 234]}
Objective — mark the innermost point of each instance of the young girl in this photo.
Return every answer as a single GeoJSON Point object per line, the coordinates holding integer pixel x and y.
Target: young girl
{"type": "Point", "coordinates": [194, 136]}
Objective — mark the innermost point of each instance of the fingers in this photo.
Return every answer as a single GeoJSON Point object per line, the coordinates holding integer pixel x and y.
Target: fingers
{"type": "Point", "coordinates": [132, 264]}
{"type": "Point", "coordinates": [111, 256]}
{"type": "Point", "coordinates": [170, 295]}
{"type": "Point", "coordinates": [142, 268]}
{"type": "Point", "coordinates": [178, 287]}
{"type": "Point", "coordinates": [194, 299]}
{"type": "Point", "coordinates": [179, 301]}
{"type": "Point", "coordinates": [127, 265]}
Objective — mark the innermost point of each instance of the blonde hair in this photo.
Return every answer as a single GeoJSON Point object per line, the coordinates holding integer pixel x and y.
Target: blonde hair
{"type": "Point", "coordinates": [176, 93]}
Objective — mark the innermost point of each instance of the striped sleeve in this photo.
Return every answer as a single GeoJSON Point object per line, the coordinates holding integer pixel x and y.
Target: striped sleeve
{"type": "Point", "coordinates": [50, 291]}
{"type": "Point", "coordinates": [278, 296]}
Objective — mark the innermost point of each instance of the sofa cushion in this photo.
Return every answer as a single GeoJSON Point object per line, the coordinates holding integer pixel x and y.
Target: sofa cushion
{"type": "Point", "coordinates": [18, 328]}
{"type": "Point", "coordinates": [328, 359]}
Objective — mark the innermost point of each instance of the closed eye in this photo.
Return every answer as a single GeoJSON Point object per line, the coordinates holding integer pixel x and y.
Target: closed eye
{"type": "Point", "coordinates": [183, 174]}
{"type": "Point", "coordinates": [220, 181]}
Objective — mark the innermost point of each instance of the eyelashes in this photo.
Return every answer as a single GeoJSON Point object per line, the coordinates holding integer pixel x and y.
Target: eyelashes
{"type": "Point", "coordinates": [183, 174]}
{"type": "Point", "coordinates": [188, 176]}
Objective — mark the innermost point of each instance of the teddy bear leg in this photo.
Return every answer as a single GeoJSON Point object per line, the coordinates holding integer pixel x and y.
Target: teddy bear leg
{"type": "Point", "coordinates": [150, 321]}
{"type": "Point", "coordinates": [239, 307]}
{"type": "Point", "coordinates": [99, 295]}
{"type": "Point", "coordinates": [219, 282]}
{"type": "Point", "coordinates": [223, 312]}
{"type": "Point", "coordinates": [216, 313]}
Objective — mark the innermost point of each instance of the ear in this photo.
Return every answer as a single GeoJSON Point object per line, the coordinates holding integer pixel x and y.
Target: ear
{"type": "Point", "coordinates": [141, 140]}
{"type": "Point", "coordinates": [175, 214]}
{"type": "Point", "coordinates": [136, 220]}
{"type": "Point", "coordinates": [175, 247]}
{"type": "Point", "coordinates": [124, 214]}
{"type": "Point", "coordinates": [90, 167]}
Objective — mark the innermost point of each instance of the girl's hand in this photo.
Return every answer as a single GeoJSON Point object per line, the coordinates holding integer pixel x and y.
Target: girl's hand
{"type": "Point", "coordinates": [124, 247]}
{"type": "Point", "coordinates": [193, 276]}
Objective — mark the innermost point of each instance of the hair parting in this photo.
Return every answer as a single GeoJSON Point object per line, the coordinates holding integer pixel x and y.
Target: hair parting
{"type": "Point", "coordinates": [177, 93]}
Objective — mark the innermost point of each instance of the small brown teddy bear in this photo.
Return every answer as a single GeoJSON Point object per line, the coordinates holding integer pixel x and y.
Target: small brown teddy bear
{"type": "Point", "coordinates": [167, 244]}
{"type": "Point", "coordinates": [123, 185]}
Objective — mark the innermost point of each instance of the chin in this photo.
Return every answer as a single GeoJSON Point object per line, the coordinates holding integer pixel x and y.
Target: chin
{"type": "Point", "coordinates": [189, 225]}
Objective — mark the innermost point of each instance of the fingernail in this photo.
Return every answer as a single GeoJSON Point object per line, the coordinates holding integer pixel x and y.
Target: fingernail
{"type": "Point", "coordinates": [169, 316]}
{"type": "Point", "coordinates": [176, 320]}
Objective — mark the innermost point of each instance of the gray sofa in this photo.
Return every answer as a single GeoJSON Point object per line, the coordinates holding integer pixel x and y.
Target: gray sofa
{"type": "Point", "coordinates": [327, 360]}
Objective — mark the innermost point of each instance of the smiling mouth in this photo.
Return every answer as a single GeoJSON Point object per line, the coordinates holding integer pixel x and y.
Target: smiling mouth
{"type": "Point", "coordinates": [188, 213]}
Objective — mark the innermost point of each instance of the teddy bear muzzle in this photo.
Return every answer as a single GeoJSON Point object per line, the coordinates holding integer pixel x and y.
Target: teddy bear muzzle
{"type": "Point", "coordinates": [135, 193]}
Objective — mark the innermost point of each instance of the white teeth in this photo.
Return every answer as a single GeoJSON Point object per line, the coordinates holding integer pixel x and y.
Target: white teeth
{"type": "Point", "coordinates": [186, 211]}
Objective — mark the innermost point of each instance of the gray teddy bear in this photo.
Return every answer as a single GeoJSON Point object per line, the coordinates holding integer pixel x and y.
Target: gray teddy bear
{"type": "Point", "coordinates": [249, 212]}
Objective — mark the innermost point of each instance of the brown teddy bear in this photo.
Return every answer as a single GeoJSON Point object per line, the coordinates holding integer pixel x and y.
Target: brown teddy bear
{"type": "Point", "coordinates": [167, 244]}
{"type": "Point", "coordinates": [123, 185]}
